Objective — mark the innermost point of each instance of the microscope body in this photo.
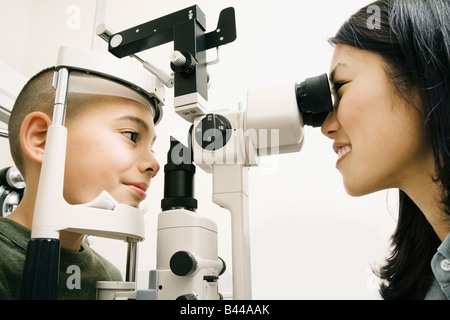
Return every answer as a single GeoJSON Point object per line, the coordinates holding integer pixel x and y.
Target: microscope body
{"type": "Point", "coordinates": [187, 261]}
{"type": "Point", "coordinates": [227, 144]}
{"type": "Point", "coordinates": [187, 256]}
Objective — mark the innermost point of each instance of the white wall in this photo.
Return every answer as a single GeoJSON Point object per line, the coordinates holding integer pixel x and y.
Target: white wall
{"type": "Point", "coordinates": [310, 240]}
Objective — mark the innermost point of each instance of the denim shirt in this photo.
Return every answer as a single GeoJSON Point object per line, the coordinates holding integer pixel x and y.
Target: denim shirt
{"type": "Point", "coordinates": [440, 264]}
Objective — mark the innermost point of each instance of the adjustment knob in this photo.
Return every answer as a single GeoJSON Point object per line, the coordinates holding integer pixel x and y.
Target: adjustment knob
{"type": "Point", "coordinates": [189, 296]}
{"type": "Point", "coordinates": [182, 63]}
{"type": "Point", "coordinates": [183, 263]}
{"type": "Point", "coordinates": [213, 132]}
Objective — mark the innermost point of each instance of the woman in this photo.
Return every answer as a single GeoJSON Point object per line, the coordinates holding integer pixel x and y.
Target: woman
{"type": "Point", "coordinates": [390, 75]}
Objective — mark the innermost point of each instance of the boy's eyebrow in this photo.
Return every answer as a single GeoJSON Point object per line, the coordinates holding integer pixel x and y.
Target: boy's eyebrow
{"type": "Point", "coordinates": [141, 123]}
{"type": "Point", "coordinates": [136, 120]}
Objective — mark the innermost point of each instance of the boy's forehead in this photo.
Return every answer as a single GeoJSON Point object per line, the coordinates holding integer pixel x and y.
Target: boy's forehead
{"type": "Point", "coordinates": [115, 112]}
{"type": "Point", "coordinates": [107, 108]}
{"type": "Point", "coordinates": [122, 106]}
{"type": "Point", "coordinates": [101, 89]}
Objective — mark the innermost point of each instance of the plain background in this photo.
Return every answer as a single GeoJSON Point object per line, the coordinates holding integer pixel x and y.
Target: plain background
{"type": "Point", "coordinates": [309, 239]}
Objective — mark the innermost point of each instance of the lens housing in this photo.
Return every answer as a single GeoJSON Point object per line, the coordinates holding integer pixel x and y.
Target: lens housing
{"type": "Point", "coordinates": [179, 178]}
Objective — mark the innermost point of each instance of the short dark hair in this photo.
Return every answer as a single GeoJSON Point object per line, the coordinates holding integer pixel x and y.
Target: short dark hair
{"type": "Point", "coordinates": [413, 38]}
{"type": "Point", "coordinates": [39, 95]}
{"type": "Point", "coordinates": [36, 95]}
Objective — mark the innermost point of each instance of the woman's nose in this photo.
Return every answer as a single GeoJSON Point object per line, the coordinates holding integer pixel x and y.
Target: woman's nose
{"type": "Point", "coordinates": [331, 125]}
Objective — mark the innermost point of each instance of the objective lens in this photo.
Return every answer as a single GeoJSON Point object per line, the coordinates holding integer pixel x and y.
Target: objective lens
{"type": "Point", "coordinates": [179, 178]}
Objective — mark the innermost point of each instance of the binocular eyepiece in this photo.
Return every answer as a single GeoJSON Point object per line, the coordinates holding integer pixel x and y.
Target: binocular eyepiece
{"type": "Point", "coordinates": [284, 110]}
{"type": "Point", "coordinates": [314, 100]}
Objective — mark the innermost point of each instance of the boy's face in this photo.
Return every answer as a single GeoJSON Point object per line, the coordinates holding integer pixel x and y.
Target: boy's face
{"type": "Point", "coordinates": [109, 147]}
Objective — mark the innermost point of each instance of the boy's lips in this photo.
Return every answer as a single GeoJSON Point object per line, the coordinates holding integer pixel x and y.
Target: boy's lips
{"type": "Point", "coordinates": [139, 188]}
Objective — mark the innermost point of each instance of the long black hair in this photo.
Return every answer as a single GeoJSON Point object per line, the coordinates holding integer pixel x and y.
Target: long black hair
{"type": "Point", "coordinates": [413, 37]}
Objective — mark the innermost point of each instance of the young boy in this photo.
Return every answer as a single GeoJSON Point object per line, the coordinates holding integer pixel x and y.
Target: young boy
{"type": "Point", "coordinates": [109, 147]}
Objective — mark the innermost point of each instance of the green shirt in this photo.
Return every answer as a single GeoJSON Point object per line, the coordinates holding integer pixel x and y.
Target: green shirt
{"type": "Point", "coordinates": [78, 272]}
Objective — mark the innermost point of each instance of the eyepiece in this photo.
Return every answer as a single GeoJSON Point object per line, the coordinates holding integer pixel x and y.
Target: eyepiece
{"type": "Point", "coordinates": [314, 100]}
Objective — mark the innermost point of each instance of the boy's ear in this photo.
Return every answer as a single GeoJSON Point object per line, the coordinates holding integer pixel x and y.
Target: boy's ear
{"type": "Point", "coordinates": [33, 134]}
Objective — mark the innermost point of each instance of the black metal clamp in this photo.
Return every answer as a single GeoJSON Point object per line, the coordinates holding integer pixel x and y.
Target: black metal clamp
{"type": "Point", "coordinates": [187, 29]}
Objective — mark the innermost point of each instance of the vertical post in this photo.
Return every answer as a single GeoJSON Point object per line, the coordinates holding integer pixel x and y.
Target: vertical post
{"type": "Point", "coordinates": [41, 270]}
{"type": "Point", "coordinates": [188, 36]}
{"type": "Point", "coordinates": [61, 84]}
{"type": "Point", "coordinates": [132, 254]}
{"type": "Point", "coordinates": [232, 194]}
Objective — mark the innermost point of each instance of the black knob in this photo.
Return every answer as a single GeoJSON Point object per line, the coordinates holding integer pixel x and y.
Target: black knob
{"type": "Point", "coordinates": [224, 266]}
{"type": "Point", "coordinates": [213, 132]}
{"type": "Point", "coordinates": [210, 278]}
{"type": "Point", "coordinates": [183, 263]}
{"type": "Point", "coordinates": [189, 296]}
{"type": "Point", "coordinates": [183, 63]}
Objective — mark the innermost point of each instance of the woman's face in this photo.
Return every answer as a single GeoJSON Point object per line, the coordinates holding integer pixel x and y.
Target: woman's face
{"type": "Point", "coordinates": [378, 136]}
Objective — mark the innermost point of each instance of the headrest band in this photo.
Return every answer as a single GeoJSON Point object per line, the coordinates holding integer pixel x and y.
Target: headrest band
{"type": "Point", "coordinates": [86, 83]}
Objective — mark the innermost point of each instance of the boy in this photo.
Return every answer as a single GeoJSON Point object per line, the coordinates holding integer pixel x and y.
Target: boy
{"type": "Point", "coordinates": [109, 142]}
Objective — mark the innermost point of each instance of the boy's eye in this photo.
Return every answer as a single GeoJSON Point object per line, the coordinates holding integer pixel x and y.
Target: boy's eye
{"type": "Point", "coordinates": [131, 135]}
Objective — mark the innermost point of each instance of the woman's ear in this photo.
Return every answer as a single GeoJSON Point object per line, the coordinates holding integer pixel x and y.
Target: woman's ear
{"type": "Point", "coordinates": [33, 135]}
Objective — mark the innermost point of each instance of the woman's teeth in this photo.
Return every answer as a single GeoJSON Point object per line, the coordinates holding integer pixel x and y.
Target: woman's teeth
{"type": "Point", "coordinates": [343, 151]}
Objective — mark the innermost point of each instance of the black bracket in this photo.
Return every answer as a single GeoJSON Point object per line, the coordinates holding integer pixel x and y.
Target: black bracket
{"type": "Point", "coordinates": [187, 29]}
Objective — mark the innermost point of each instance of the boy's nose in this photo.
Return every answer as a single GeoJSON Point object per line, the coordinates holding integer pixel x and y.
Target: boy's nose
{"type": "Point", "coordinates": [149, 164]}
{"type": "Point", "coordinates": [331, 125]}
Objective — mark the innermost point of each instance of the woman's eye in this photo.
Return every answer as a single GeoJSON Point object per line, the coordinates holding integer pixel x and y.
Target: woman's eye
{"type": "Point", "coordinates": [337, 86]}
{"type": "Point", "coordinates": [131, 135]}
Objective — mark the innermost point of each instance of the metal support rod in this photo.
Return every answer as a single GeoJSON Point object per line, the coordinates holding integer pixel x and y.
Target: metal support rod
{"type": "Point", "coordinates": [61, 84]}
{"type": "Point", "coordinates": [105, 33]}
{"type": "Point", "coordinates": [4, 115]}
{"type": "Point", "coordinates": [4, 133]}
{"type": "Point", "coordinates": [132, 255]}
